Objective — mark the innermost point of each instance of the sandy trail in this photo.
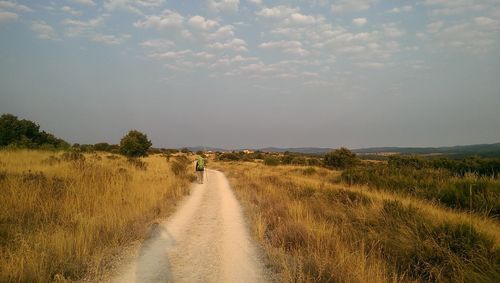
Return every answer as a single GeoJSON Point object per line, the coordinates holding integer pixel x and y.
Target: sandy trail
{"type": "Point", "coordinates": [206, 240]}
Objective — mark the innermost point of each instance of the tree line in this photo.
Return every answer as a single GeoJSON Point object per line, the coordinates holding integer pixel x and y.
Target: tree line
{"type": "Point", "coordinates": [17, 133]}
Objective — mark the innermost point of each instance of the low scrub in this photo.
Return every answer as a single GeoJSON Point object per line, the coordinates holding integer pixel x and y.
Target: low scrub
{"type": "Point", "coordinates": [63, 222]}
{"type": "Point", "coordinates": [480, 194]}
{"type": "Point", "coordinates": [313, 230]}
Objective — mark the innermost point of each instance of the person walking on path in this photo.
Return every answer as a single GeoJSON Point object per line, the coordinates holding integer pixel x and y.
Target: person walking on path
{"type": "Point", "coordinates": [200, 169]}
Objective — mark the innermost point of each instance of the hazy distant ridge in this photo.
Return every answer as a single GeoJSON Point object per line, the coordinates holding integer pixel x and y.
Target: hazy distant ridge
{"type": "Point", "coordinates": [476, 149]}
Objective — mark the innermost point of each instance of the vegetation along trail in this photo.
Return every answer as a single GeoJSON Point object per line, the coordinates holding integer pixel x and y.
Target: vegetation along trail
{"type": "Point", "coordinates": [205, 240]}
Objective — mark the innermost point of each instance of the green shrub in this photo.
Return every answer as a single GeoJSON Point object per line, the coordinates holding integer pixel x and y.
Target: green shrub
{"type": "Point", "coordinates": [228, 156]}
{"type": "Point", "coordinates": [341, 158]}
{"type": "Point", "coordinates": [135, 144]}
{"type": "Point", "coordinates": [298, 160]}
{"type": "Point", "coordinates": [438, 185]}
{"type": "Point", "coordinates": [271, 161]}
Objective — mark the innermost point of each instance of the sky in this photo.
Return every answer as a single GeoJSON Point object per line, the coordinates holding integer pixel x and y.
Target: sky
{"type": "Point", "coordinates": [255, 73]}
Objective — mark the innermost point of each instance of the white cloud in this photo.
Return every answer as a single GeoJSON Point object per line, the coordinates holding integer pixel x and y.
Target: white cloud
{"type": "Point", "coordinates": [392, 30]}
{"type": "Point", "coordinates": [169, 19]}
{"type": "Point", "coordinates": [158, 43]}
{"type": "Point", "coordinates": [134, 6]}
{"type": "Point", "coordinates": [290, 47]}
{"type": "Point", "coordinates": [456, 7]}
{"type": "Point", "coordinates": [398, 10]}
{"type": "Point", "coordinates": [342, 6]}
{"type": "Point", "coordinates": [371, 65]}
{"type": "Point", "coordinates": [435, 26]}
{"type": "Point", "coordinates": [299, 18]}
{"type": "Point", "coordinates": [81, 28]}
{"type": "Point", "coordinates": [43, 30]}
{"type": "Point", "coordinates": [171, 54]}
{"type": "Point", "coordinates": [486, 22]}
{"type": "Point", "coordinates": [224, 5]}
{"type": "Point", "coordinates": [200, 23]}
{"type": "Point", "coordinates": [359, 21]}
{"type": "Point", "coordinates": [475, 36]}
{"type": "Point", "coordinates": [204, 55]}
{"type": "Point", "coordinates": [84, 2]}
{"type": "Point", "coordinates": [109, 39]}
{"type": "Point", "coordinates": [89, 29]}
{"type": "Point", "coordinates": [277, 12]}
{"type": "Point", "coordinates": [256, 2]}
{"type": "Point", "coordinates": [8, 17]}
{"type": "Point", "coordinates": [236, 44]}
{"type": "Point", "coordinates": [223, 32]}
{"type": "Point", "coordinates": [70, 10]}
{"type": "Point", "coordinates": [14, 6]}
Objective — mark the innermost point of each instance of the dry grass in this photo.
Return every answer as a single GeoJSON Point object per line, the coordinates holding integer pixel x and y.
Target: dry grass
{"type": "Point", "coordinates": [315, 229]}
{"type": "Point", "coordinates": [61, 217]}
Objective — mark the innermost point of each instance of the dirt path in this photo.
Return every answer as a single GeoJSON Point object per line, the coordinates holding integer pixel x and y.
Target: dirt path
{"type": "Point", "coordinates": [206, 240]}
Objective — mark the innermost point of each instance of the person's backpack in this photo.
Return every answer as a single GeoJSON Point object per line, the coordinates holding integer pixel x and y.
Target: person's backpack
{"type": "Point", "coordinates": [200, 165]}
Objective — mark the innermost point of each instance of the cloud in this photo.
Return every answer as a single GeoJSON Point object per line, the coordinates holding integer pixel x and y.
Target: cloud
{"type": "Point", "coordinates": [169, 19]}
{"type": "Point", "coordinates": [371, 65]}
{"type": "Point", "coordinates": [200, 23]}
{"type": "Point", "coordinates": [256, 2]}
{"type": "Point", "coordinates": [14, 6]}
{"type": "Point", "coordinates": [236, 44]}
{"type": "Point", "coordinates": [392, 30]}
{"type": "Point", "coordinates": [81, 27]}
{"type": "Point", "coordinates": [84, 2]}
{"type": "Point", "coordinates": [158, 43]}
{"type": "Point", "coordinates": [70, 10]}
{"type": "Point", "coordinates": [290, 47]}
{"type": "Point", "coordinates": [447, 7]}
{"type": "Point", "coordinates": [435, 26]}
{"type": "Point", "coordinates": [475, 35]}
{"type": "Point", "coordinates": [277, 12]}
{"type": "Point", "coordinates": [134, 6]}
{"type": "Point", "coordinates": [342, 6]}
{"type": "Point", "coordinates": [359, 21]}
{"type": "Point", "coordinates": [171, 54]}
{"type": "Point", "coordinates": [223, 5]}
{"type": "Point", "coordinates": [204, 55]}
{"type": "Point", "coordinates": [89, 29]}
{"type": "Point", "coordinates": [299, 18]}
{"type": "Point", "coordinates": [8, 17]}
{"type": "Point", "coordinates": [486, 22]}
{"type": "Point", "coordinates": [109, 39]}
{"type": "Point", "coordinates": [43, 30]}
{"type": "Point", "coordinates": [398, 10]}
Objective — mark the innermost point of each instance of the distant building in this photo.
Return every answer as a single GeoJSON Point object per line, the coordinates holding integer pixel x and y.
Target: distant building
{"type": "Point", "coordinates": [247, 151]}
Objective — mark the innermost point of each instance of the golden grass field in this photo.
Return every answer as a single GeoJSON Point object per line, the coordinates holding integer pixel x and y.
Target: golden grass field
{"type": "Point", "coordinates": [313, 228]}
{"type": "Point", "coordinates": [62, 218]}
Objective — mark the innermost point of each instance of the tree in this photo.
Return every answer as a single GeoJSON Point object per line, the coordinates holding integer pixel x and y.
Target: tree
{"type": "Point", "coordinates": [135, 144]}
{"type": "Point", "coordinates": [341, 158]}
{"type": "Point", "coordinates": [25, 133]}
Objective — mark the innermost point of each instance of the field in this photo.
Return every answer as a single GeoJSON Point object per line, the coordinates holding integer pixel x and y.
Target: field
{"type": "Point", "coordinates": [315, 227]}
{"type": "Point", "coordinates": [64, 215]}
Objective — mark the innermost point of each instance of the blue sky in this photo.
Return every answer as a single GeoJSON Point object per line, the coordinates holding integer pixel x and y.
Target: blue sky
{"type": "Point", "coordinates": [253, 73]}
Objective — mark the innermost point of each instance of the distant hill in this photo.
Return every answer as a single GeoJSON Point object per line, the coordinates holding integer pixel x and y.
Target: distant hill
{"type": "Point", "coordinates": [305, 150]}
{"type": "Point", "coordinates": [485, 150]}
{"type": "Point", "coordinates": [205, 148]}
